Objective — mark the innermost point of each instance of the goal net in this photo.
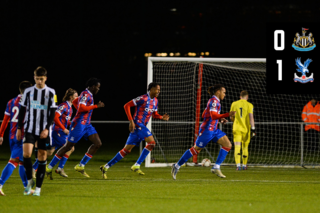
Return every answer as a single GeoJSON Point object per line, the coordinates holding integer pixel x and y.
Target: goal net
{"type": "Point", "coordinates": [281, 139]}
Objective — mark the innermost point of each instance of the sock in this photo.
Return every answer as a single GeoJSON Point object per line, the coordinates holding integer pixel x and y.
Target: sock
{"type": "Point", "coordinates": [188, 154]}
{"type": "Point", "coordinates": [222, 155]}
{"type": "Point", "coordinates": [54, 161]}
{"type": "Point", "coordinates": [23, 175]}
{"type": "Point", "coordinates": [37, 189]}
{"type": "Point", "coordinates": [145, 152]}
{"type": "Point", "coordinates": [237, 154]}
{"type": "Point", "coordinates": [123, 152]}
{"type": "Point", "coordinates": [238, 164]}
{"type": "Point", "coordinates": [35, 165]}
{"type": "Point", "coordinates": [28, 167]}
{"type": "Point", "coordinates": [40, 173]}
{"type": "Point", "coordinates": [7, 171]}
{"type": "Point", "coordinates": [245, 154]}
{"type": "Point", "coordinates": [63, 161]}
{"type": "Point", "coordinates": [36, 153]}
{"type": "Point", "coordinates": [85, 159]}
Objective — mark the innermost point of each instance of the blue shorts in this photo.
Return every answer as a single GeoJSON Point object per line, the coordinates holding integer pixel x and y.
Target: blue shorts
{"type": "Point", "coordinates": [58, 139]}
{"type": "Point", "coordinates": [139, 134]}
{"type": "Point", "coordinates": [16, 149]}
{"type": "Point", "coordinates": [79, 131]}
{"type": "Point", "coordinates": [207, 136]}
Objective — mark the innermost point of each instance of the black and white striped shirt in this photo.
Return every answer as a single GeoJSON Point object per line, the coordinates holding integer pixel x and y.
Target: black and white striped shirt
{"type": "Point", "coordinates": [38, 103]}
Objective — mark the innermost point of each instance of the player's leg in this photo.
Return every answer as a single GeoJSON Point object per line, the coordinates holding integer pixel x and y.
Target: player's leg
{"type": "Point", "coordinates": [143, 132]}
{"type": "Point", "coordinates": [35, 165]}
{"type": "Point", "coordinates": [17, 153]}
{"type": "Point", "coordinates": [58, 156]}
{"type": "Point", "coordinates": [184, 158]}
{"type": "Point", "coordinates": [237, 138]}
{"type": "Point", "coordinates": [96, 144]}
{"type": "Point", "coordinates": [42, 157]}
{"type": "Point", "coordinates": [132, 141]}
{"type": "Point", "coordinates": [90, 133]}
{"type": "Point", "coordinates": [50, 151]}
{"type": "Point", "coordinates": [7, 172]}
{"type": "Point", "coordinates": [146, 150]}
{"type": "Point", "coordinates": [63, 161]}
{"type": "Point", "coordinates": [245, 152]}
{"type": "Point", "coordinates": [200, 143]}
{"type": "Point", "coordinates": [28, 145]}
{"type": "Point", "coordinates": [222, 139]}
{"type": "Point", "coordinates": [23, 175]}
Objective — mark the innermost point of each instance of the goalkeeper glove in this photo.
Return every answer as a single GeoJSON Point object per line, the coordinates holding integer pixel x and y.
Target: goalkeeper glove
{"type": "Point", "coordinates": [253, 132]}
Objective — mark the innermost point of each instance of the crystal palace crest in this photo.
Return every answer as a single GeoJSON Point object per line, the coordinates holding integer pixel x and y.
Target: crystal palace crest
{"type": "Point", "coordinates": [303, 69]}
{"type": "Point", "coordinates": [303, 42]}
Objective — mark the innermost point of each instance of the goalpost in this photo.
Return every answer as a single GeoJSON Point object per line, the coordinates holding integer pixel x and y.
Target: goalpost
{"type": "Point", "coordinates": [280, 140]}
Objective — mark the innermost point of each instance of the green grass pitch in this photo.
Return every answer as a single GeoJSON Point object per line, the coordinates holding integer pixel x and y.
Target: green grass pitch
{"type": "Point", "coordinates": [195, 190]}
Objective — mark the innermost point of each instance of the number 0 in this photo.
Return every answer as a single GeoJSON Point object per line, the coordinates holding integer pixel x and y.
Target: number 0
{"type": "Point", "coordinates": [279, 62]}
{"type": "Point", "coordinates": [276, 42]}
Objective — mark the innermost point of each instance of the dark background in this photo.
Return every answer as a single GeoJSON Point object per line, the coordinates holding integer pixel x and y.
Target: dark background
{"type": "Point", "coordinates": [76, 40]}
{"type": "Point", "coordinates": [288, 57]}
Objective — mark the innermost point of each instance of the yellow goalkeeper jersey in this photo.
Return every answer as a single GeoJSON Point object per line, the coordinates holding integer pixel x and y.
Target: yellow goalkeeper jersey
{"type": "Point", "coordinates": [242, 121]}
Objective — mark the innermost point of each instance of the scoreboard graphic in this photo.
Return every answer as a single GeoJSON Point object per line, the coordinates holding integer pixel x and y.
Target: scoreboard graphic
{"type": "Point", "coordinates": [293, 58]}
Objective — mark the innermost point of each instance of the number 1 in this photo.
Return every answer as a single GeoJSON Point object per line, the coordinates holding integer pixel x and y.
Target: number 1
{"type": "Point", "coordinates": [279, 62]}
{"type": "Point", "coordinates": [240, 112]}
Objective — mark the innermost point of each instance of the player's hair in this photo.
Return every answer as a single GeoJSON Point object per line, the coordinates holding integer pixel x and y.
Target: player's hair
{"type": "Point", "coordinates": [24, 85]}
{"type": "Point", "coordinates": [244, 93]}
{"type": "Point", "coordinates": [152, 84]}
{"type": "Point", "coordinates": [70, 92]}
{"type": "Point", "coordinates": [92, 82]}
{"type": "Point", "coordinates": [214, 89]}
{"type": "Point", "coordinates": [40, 71]}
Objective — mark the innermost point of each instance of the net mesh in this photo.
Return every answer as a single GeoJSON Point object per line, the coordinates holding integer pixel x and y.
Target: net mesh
{"type": "Point", "coordinates": [275, 144]}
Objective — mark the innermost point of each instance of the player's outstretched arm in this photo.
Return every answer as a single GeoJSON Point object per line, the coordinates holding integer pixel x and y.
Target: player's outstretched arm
{"type": "Point", "coordinates": [164, 117]}
{"type": "Point", "coordinates": [83, 108]}
{"type": "Point", "coordinates": [215, 115]}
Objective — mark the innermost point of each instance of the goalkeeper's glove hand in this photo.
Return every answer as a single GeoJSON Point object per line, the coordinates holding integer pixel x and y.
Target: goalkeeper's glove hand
{"type": "Point", "coordinates": [253, 132]}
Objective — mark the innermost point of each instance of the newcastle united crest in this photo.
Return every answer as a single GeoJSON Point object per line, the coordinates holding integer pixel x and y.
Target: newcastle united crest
{"type": "Point", "coordinates": [303, 68]}
{"type": "Point", "coordinates": [303, 42]}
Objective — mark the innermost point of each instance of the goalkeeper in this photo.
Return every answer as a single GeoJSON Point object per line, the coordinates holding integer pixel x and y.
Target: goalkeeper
{"type": "Point", "coordinates": [242, 123]}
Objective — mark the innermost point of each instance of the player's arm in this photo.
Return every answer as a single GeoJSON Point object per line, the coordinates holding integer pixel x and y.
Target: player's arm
{"type": "Point", "coordinates": [22, 113]}
{"type": "Point", "coordinates": [127, 107]}
{"type": "Point", "coordinates": [84, 108]}
{"type": "Point", "coordinates": [164, 117]}
{"type": "Point", "coordinates": [253, 129]}
{"type": "Point", "coordinates": [232, 109]}
{"type": "Point", "coordinates": [214, 115]}
{"type": "Point", "coordinates": [59, 124]}
{"type": "Point", "coordinates": [3, 127]}
{"type": "Point", "coordinates": [75, 103]}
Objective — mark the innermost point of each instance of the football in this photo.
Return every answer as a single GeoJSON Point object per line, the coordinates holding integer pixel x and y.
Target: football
{"type": "Point", "coordinates": [206, 162]}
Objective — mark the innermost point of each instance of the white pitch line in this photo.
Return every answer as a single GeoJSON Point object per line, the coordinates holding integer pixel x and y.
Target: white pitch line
{"type": "Point", "coordinates": [203, 180]}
